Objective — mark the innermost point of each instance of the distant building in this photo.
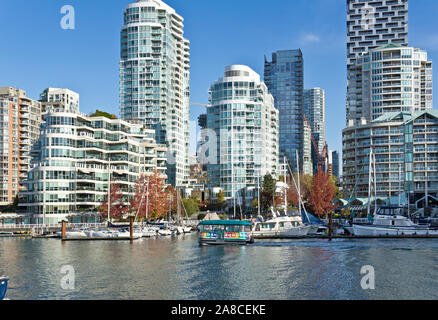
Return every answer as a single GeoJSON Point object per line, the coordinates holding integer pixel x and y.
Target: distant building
{"type": "Point", "coordinates": [333, 163]}
{"type": "Point", "coordinates": [56, 98]}
{"type": "Point", "coordinates": [284, 77]}
{"type": "Point", "coordinates": [20, 118]}
{"type": "Point", "coordinates": [202, 121]}
{"type": "Point", "coordinates": [307, 150]}
{"type": "Point", "coordinates": [245, 121]}
{"type": "Point", "coordinates": [314, 109]}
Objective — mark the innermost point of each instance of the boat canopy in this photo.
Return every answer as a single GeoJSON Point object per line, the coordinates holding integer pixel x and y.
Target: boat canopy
{"type": "Point", "coordinates": [225, 223]}
{"type": "Point", "coordinates": [312, 218]}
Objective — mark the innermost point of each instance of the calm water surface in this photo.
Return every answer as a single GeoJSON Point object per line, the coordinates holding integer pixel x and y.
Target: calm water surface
{"type": "Point", "coordinates": [178, 269]}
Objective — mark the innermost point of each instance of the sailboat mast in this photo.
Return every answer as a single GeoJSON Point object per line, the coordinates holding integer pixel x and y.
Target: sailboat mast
{"type": "Point", "coordinates": [109, 188]}
{"type": "Point", "coordinates": [258, 195]}
{"type": "Point", "coordinates": [232, 159]}
{"type": "Point", "coordinates": [299, 182]}
{"type": "Point", "coordinates": [178, 204]}
{"type": "Point", "coordinates": [369, 182]}
{"type": "Point", "coordinates": [285, 188]}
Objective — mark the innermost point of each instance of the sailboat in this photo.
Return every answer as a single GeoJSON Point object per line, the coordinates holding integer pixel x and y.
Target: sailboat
{"type": "Point", "coordinates": [283, 226]}
{"type": "Point", "coordinates": [388, 221]}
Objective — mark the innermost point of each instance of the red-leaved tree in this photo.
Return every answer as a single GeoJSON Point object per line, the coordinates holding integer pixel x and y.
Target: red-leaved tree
{"type": "Point", "coordinates": [150, 190]}
{"type": "Point", "coordinates": [117, 207]}
{"type": "Point", "coordinates": [322, 195]}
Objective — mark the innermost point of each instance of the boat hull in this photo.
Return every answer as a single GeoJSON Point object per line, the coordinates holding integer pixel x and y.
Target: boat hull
{"type": "Point", "coordinates": [297, 232]}
{"type": "Point", "coordinates": [224, 243]}
{"type": "Point", "coordinates": [3, 287]}
{"type": "Point", "coordinates": [301, 231]}
{"type": "Point", "coordinates": [370, 230]}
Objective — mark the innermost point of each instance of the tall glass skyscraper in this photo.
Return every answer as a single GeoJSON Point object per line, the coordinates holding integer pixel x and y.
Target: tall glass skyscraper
{"type": "Point", "coordinates": [284, 78]}
{"type": "Point", "coordinates": [155, 79]}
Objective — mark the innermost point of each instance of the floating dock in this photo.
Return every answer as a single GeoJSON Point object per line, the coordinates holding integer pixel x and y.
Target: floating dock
{"type": "Point", "coordinates": [101, 239]}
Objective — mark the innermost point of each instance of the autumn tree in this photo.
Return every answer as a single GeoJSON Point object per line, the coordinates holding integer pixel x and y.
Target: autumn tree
{"type": "Point", "coordinates": [151, 190]}
{"type": "Point", "coordinates": [322, 195]}
{"type": "Point", "coordinates": [118, 207]}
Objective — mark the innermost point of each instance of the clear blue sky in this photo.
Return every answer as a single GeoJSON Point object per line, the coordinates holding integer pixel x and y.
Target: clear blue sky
{"type": "Point", "coordinates": [36, 53]}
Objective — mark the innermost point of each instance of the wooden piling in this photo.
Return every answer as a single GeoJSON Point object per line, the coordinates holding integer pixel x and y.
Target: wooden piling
{"type": "Point", "coordinates": [64, 230]}
{"type": "Point", "coordinates": [131, 227]}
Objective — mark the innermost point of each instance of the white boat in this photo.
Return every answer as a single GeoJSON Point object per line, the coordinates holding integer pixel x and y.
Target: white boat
{"type": "Point", "coordinates": [73, 234]}
{"type": "Point", "coordinates": [187, 229]}
{"type": "Point", "coordinates": [127, 234]}
{"type": "Point", "coordinates": [165, 232]}
{"type": "Point", "coordinates": [281, 226]}
{"type": "Point", "coordinates": [148, 232]}
{"type": "Point", "coordinates": [179, 230]}
{"type": "Point", "coordinates": [393, 225]}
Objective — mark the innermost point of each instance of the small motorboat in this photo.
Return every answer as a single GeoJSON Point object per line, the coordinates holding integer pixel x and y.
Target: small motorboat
{"type": "Point", "coordinates": [187, 229]}
{"type": "Point", "coordinates": [72, 234]}
{"type": "Point", "coordinates": [147, 232]}
{"type": "Point", "coordinates": [165, 232]}
{"type": "Point", "coordinates": [3, 287]}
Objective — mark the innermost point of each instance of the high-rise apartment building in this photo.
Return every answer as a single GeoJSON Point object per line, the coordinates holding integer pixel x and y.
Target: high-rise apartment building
{"type": "Point", "coordinates": [314, 109]}
{"type": "Point", "coordinates": [371, 24]}
{"type": "Point", "coordinates": [390, 78]}
{"type": "Point", "coordinates": [375, 23]}
{"type": "Point", "coordinates": [20, 118]}
{"type": "Point", "coordinates": [245, 122]}
{"type": "Point", "coordinates": [155, 79]}
{"type": "Point", "coordinates": [284, 78]}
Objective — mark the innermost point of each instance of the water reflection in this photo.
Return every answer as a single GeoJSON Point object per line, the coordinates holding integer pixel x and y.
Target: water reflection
{"type": "Point", "coordinates": [178, 268]}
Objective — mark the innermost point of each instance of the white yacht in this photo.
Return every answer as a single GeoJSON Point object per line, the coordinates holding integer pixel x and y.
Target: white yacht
{"type": "Point", "coordinates": [281, 226]}
{"type": "Point", "coordinates": [387, 222]}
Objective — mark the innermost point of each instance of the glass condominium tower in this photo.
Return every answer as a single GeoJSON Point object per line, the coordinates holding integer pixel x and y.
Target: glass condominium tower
{"type": "Point", "coordinates": [243, 123]}
{"type": "Point", "coordinates": [155, 79]}
{"type": "Point", "coordinates": [284, 78]}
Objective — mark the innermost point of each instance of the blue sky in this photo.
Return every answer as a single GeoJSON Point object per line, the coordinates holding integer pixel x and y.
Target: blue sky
{"type": "Point", "coordinates": [36, 53]}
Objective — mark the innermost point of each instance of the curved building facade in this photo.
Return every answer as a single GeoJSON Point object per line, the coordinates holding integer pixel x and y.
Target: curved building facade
{"type": "Point", "coordinates": [76, 158]}
{"type": "Point", "coordinates": [245, 122]}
